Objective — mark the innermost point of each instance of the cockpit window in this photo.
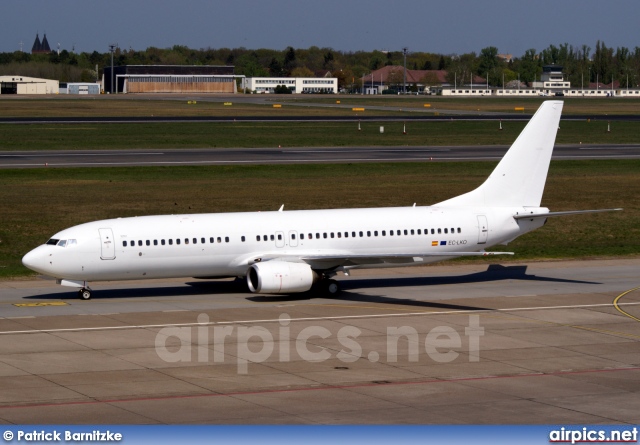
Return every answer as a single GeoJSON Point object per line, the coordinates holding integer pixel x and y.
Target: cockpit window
{"type": "Point", "coordinates": [62, 242]}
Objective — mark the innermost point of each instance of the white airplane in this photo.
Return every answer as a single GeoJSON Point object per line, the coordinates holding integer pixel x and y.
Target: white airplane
{"type": "Point", "coordinates": [291, 251]}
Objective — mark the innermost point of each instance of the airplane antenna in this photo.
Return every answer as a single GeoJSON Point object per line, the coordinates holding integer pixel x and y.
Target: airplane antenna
{"type": "Point", "coordinates": [281, 208]}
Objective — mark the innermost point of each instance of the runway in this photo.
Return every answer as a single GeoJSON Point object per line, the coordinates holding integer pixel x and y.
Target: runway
{"type": "Point", "coordinates": [545, 342]}
{"type": "Point", "coordinates": [293, 155]}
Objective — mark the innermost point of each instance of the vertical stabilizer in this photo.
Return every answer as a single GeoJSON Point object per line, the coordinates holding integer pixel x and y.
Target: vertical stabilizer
{"type": "Point", "coordinates": [519, 178]}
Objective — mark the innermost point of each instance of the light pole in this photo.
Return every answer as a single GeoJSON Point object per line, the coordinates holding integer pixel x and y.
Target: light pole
{"type": "Point", "coordinates": [112, 49]}
{"type": "Point", "coordinates": [404, 52]}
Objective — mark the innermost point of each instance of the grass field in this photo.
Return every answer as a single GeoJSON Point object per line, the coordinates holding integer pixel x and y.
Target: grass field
{"type": "Point", "coordinates": [213, 105]}
{"type": "Point", "coordinates": [134, 106]}
{"type": "Point", "coordinates": [38, 203]}
{"type": "Point", "coordinates": [581, 106]}
{"type": "Point", "coordinates": [294, 134]}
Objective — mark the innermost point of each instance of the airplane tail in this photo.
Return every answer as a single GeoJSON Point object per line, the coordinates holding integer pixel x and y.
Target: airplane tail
{"type": "Point", "coordinates": [519, 178]}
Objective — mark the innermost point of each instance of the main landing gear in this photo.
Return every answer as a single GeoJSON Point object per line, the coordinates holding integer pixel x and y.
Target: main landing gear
{"type": "Point", "coordinates": [328, 287]}
{"type": "Point", "coordinates": [84, 293]}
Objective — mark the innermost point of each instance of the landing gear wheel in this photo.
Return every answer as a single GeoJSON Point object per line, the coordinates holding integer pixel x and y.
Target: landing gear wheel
{"type": "Point", "coordinates": [332, 287]}
{"type": "Point", "coordinates": [84, 294]}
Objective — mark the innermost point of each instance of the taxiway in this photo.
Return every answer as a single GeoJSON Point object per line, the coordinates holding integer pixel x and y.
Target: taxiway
{"type": "Point", "coordinates": [558, 342]}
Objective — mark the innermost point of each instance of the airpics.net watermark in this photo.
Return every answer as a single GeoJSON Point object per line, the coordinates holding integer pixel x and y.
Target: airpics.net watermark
{"type": "Point", "coordinates": [257, 344]}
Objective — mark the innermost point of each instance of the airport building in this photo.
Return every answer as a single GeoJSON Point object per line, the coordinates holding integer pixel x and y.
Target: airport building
{"type": "Point", "coordinates": [169, 79]}
{"type": "Point", "coordinates": [391, 77]}
{"type": "Point", "coordinates": [80, 88]}
{"type": "Point", "coordinates": [297, 85]}
{"type": "Point", "coordinates": [27, 85]}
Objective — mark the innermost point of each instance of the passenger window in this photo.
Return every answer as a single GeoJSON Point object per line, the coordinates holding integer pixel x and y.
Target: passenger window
{"type": "Point", "coordinates": [375, 233]}
{"type": "Point", "coordinates": [419, 232]}
{"type": "Point", "coordinates": [219, 240]}
{"type": "Point", "coordinates": [459, 231]}
{"type": "Point", "coordinates": [384, 233]}
{"type": "Point", "coordinates": [265, 238]}
{"type": "Point", "coordinates": [258, 238]}
{"type": "Point", "coordinates": [124, 244]}
{"type": "Point", "coordinates": [412, 232]}
{"type": "Point", "coordinates": [279, 237]}
{"type": "Point", "coordinates": [353, 234]}
{"type": "Point", "coordinates": [317, 236]}
{"type": "Point", "coordinates": [195, 241]}
{"type": "Point", "coordinates": [177, 240]}
{"type": "Point", "coordinates": [324, 235]}
{"type": "Point", "coordinates": [339, 234]}
{"type": "Point", "coordinates": [155, 242]}
{"type": "Point", "coordinates": [162, 242]}
{"type": "Point", "coordinates": [390, 232]}
{"type": "Point", "coordinates": [406, 232]}
{"type": "Point", "coordinates": [453, 231]}
{"type": "Point", "coordinates": [226, 239]}
{"type": "Point", "coordinates": [273, 238]}
{"type": "Point", "coordinates": [368, 232]}
{"type": "Point", "coordinates": [346, 234]}
{"type": "Point", "coordinates": [171, 242]}
{"type": "Point", "coordinates": [203, 241]}
{"type": "Point", "coordinates": [361, 234]}
{"type": "Point", "coordinates": [293, 236]}
{"type": "Point", "coordinates": [139, 242]}
{"type": "Point", "coordinates": [439, 231]}
{"type": "Point", "coordinates": [446, 230]}
{"type": "Point", "coordinates": [433, 231]}
{"type": "Point", "coordinates": [148, 243]}
{"type": "Point", "coordinates": [242, 238]}
{"type": "Point", "coordinates": [211, 240]}
{"type": "Point", "coordinates": [332, 235]}
{"type": "Point", "coordinates": [186, 240]}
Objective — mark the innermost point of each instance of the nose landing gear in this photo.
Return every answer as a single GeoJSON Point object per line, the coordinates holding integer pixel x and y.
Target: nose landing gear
{"type": "Point", "coordinates": [84, 293]}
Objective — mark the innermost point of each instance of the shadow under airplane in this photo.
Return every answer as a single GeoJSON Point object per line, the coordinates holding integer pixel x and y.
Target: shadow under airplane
{"type": "Point", "coordinates": [494, 272]}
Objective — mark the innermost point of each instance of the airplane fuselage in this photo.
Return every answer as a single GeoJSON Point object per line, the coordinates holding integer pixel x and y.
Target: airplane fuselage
{"type": "Point", "coordinates": [225, 244]}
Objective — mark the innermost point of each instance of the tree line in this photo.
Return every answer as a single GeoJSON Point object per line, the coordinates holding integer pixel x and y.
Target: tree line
{"type": "Point", "coordinates": [580, 64]}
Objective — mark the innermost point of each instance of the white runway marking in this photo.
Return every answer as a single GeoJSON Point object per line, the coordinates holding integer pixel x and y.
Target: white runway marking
{"type": "Point", "coordinates": [342, 317]}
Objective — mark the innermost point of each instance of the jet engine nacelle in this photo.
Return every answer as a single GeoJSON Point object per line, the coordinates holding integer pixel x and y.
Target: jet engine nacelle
{"type": "Point", "coordinates": [280, 277]}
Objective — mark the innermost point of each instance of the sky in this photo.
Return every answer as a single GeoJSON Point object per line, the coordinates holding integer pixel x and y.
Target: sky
{"type": "Point", "coordinates": [444, 27]}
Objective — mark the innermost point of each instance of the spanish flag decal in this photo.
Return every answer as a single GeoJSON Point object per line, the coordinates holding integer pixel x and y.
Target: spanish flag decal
{"type": "Point", "coordinates": [434, 243]}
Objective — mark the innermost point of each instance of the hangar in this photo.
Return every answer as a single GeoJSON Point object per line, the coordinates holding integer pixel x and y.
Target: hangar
{"type": "Point", "coordinates": [169, 79]}
{"type": "Point", "coordinates": [27, 85]}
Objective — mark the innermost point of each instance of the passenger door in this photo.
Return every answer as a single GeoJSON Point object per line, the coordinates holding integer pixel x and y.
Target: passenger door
{"type": "Point", "coordinates": [108, 245]}
{"type": "Point", "coordinates": [483, 229]}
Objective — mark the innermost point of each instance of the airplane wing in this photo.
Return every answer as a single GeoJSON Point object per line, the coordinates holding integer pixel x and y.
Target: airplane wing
{"type": "Point", "coordinates": [337, 259]}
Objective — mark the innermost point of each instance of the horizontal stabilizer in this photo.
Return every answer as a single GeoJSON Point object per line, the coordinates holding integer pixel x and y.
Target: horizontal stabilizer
{"type": "Point", "coordinates": [549, 214]}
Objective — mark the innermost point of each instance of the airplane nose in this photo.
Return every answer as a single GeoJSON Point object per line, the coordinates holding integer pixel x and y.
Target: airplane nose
{"type": "Point", "coordinates": [34, 260]}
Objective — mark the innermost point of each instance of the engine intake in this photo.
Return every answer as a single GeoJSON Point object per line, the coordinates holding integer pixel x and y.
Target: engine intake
{"type": "Point", "coordinates": [280, 277]}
